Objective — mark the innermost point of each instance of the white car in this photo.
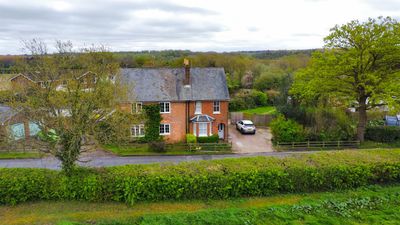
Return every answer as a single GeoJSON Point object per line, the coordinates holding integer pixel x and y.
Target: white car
{"type": "Point", "coordinates": [246, 126]}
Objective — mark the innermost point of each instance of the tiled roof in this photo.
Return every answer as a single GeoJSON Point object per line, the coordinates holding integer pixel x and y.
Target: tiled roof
{"type": "Point", "coordinates": [166, 84]}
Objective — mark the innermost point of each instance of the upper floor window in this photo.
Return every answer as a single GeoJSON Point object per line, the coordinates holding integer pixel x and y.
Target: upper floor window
{"type": "Point", "coordinates": [217, 107]}
{"type": "Point", "coordinates": [165, 129]}
{"type": "Point", "coordinates": [198, 107]}
{"type": "Point", "coordinates": [137, 107]}
{"type": "Point", "coordinates": [165, 107]}
{"type": "Point", "coordinates": [137, 130]}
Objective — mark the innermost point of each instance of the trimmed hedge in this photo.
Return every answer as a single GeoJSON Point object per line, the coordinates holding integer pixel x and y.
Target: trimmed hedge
{"type": "Point", "coordinates": [219, 179]}
{"type": "Point", "coordinates": [209, 139]}
{"type": "Point", "coordinates": [383, 134]}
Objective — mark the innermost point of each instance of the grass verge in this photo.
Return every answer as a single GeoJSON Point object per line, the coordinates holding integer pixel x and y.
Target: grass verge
{"type": "Point", "coordinates": [372, 205]}
{"type": "Point", "coordinates": [143, 150]}
{"type": "Point", "coordinates": [20, 155]}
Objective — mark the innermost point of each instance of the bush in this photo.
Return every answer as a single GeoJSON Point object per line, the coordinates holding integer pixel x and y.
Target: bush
{"type": "Point", "coordinates": [210, 139]}
{"type": "Point", "coordinates": [216, 179]}
{"type": "Point", "coordinates": [286, 130]}
{"type": "Point", "coordinates": [382, 134]}
{"type": "Point", "coordinates": [247, 99]}
{"type": "Point", "coordinates": [190, 138]}
{"type": "Point", "coordinates": [157, 146]}
{"type": "Point", "coordinates": [152, 124]}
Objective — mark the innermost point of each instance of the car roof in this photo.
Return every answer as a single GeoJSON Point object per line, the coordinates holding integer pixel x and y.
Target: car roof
{"type": "Point", "coordinates": [247, 122]}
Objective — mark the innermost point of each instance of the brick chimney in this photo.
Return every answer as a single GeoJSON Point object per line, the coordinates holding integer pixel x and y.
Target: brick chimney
{"type": "Point", "coordinates": [186, 64]}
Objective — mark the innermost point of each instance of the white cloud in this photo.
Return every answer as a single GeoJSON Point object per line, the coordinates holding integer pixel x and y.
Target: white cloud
{"type": "Point", "coordinates": [218, 25]}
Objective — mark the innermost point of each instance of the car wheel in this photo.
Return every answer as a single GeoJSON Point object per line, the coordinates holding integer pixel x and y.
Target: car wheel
{"type": "Point", "coordinates": [254, 132]}
{"type": "Point", "coordinates": [241, 131]}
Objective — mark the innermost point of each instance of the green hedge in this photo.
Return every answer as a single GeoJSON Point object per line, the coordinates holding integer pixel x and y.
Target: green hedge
{"type": "Point", "coordinates": [383, 134]}
{"type": "Point", "coordinates": [210, 139]}
{"type": "Point", "coordinates": [217, 179]}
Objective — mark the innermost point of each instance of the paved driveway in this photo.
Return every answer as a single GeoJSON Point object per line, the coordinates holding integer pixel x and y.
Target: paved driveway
{"type": "Point", "coordinates": [249, 143]}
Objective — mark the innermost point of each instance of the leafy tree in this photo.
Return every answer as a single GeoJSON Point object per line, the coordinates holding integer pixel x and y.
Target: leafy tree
{"type": "Point", "coordinates": [75, 94]}
{"type": "Point", "coordinates": [359, 66]}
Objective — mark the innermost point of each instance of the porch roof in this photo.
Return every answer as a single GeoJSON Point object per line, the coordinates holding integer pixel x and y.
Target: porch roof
{"type": "Point", "coordinates": [202, 118]}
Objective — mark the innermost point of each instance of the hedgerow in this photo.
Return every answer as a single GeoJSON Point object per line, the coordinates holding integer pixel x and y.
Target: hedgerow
{"type": "Point", "coordinates": [219, 179]}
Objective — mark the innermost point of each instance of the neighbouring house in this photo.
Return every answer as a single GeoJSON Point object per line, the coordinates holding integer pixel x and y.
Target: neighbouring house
{"type": "Point", "coordinates": [192, 100]}
{"type": "Point", "coordinates": [16, 126]}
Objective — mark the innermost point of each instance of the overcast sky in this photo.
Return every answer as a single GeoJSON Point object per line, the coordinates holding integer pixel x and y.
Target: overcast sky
{"type": "Point", "coordinates": [198, 25]}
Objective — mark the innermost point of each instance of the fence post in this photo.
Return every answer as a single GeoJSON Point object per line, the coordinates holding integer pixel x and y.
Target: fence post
{"type": "Point", "coordinates": [308, 144]}
{"type": "Point", "coordinates": [323, 144]}
{"type": "Point", "coordinates": [292, 144]}
{"type": "Point", "coordinates": [338, 143]}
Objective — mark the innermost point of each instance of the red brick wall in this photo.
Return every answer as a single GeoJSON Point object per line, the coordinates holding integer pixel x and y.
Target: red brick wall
{"type": "Point", "coordinates": [177, 118]}
{"type": "Point", "coordinates": [207, 108]}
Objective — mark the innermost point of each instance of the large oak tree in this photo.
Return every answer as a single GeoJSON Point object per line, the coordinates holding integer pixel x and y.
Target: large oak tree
{"type": "Point", "coordinates": [359, 66]}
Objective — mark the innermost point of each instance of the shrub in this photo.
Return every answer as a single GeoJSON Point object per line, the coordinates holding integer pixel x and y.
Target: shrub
{"type": "Point", "coordinates": [286, 130]}
{"type": "Point", "coordinates": [214, 179]}
{"type": "Point", "coordinates": [210, 139]}
{"type": "Point", "coordinates": [190, 138]}
{"type": "Point", "coordinates": [247, 99]}
{"type": "Point", "coordinates": [382, 134]}
{"type": "Point", "coordinates": [157, 146]}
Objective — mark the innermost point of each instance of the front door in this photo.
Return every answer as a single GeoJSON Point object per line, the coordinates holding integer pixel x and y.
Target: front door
{"type": "Point", "coordinates": [221, 130]}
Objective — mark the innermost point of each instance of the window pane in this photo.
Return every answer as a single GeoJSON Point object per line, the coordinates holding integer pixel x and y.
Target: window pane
{"type": "Point", "coordinates": [33, 129]}
{"type": "Point", "coordinates": [18, 131]}
{"type": "Point", "coordinates": [167, 128]}
{"type": "Point", "coordinates": [198, 107]}
{"type": "Point", "coordinates": [162, 128]}
{"type": "Point", "coordinates": [161, 106]}
{"type": "Point", "coordinates": [167, 107]}
{"type": "Point", "coordinates": [202, 129]}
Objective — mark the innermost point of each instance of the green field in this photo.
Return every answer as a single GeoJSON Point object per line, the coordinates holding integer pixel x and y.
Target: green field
{"type": "Point", "coordinates": [265, 110]}
{"type": "Point", "coordinates": [372, 205]}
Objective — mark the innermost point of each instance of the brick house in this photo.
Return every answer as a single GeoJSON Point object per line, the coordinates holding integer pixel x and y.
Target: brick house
{"type": "Point", "coordinates": [192, 100]}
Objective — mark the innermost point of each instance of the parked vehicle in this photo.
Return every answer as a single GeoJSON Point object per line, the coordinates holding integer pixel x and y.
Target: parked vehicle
{"type": "Point", "coordinates": [246, 126]}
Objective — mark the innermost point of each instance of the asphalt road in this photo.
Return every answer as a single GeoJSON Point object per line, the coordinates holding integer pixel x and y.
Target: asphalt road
{"type": "Point", "coordinates": [101, 161]}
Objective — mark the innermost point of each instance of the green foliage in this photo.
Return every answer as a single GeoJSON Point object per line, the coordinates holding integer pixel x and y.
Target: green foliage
{"type": "Point", "coordinates": [210, 139]}
{"type": "Point", "coordinates": [115, 129]}
{"type": "Point", "coordinates": [286, 130]}
{"type": "Point", "coordinates": [358, 65]}
{"type": "Point", "coordinates": [152, 124]}
{"type": "Point", "coordinates": [385, 134]}
{"type": "Point", "coordinates": [157, 146]}
{"type": "Point", "coordinates": [248, 99]}
{"type": "Point", "coordinates": [191, 138]}
{"type": "Point", "coordinates": [216, 179]}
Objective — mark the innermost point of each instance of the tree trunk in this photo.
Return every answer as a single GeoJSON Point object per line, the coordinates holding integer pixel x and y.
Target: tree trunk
{"type": "Point", "coordinates": [362, 118]}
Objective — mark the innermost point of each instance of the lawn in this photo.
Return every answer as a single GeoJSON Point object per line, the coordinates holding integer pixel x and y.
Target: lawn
{"type": "Point", "coordinates": [372, 205]}
{"type": "Point", "coordinates": [20, 155]}
{"type": "Point", "coordinates": [142, 150]}
{"type": "Point", "coordinates": [264, 110]}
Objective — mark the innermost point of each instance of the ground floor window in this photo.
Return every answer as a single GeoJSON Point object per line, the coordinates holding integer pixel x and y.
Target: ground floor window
{"type": "Point", "coordinates": [165, 129]}
{"type": "Point", "coordinates": [137, 130]}
{"type": "Point", "coordinates": [18, 131]}
{"type": "Point", "coordinates": [203, 129]}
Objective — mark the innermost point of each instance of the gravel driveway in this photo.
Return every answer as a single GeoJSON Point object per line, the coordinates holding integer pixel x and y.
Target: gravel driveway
{"type": "Point", "coordinates": [249, 143]}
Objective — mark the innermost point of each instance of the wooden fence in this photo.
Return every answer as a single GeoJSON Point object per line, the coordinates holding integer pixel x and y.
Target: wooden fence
{"type": "Point", "coordinates": [258, 119]}
{"type": "Point", "coordinates": [318, 145]}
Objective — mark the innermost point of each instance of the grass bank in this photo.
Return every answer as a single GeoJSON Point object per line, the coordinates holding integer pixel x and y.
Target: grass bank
{"type": "Point", "coordinates": [20, 155]}
{"type": "Point", "coordinates": [371, 205]}
{"type": "Point", "coordinates": [264, 110]}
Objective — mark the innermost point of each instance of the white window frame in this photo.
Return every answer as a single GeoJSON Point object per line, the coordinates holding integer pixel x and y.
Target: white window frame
{"type": "Point", "coordinates": [165, 125]}
{"type": "Point", "coordinates": [137, 110]}
{"type": "Point", "coordinates": [198, 107]}
{"type": "Point", "coordinates": [204, 129]}
{"type": "Point", "coordinates": [137, 127]}
{"type": "Point", "coordinates": [163, 107]}
{"type": "Point", "coordinates": [216, 104]}
{"type": "Point", "coordinates": [195, 129]}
